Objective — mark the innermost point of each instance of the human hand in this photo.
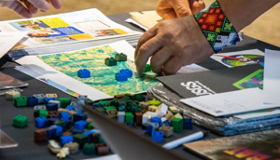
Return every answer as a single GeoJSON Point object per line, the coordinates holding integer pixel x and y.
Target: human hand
{"type": "Point", "coordinates": [169, 9]}
{"type": "Point", "coordinates": [172, 44]}
{"type": "Point", "coordinates": [26, 8]}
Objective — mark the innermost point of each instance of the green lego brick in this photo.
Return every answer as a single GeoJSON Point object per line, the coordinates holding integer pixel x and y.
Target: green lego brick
{"type": "Point", "coordinates": [20, 101]}
{"type": "Point", "coordinates": [109, 108]}
{"type": "Point", "coordinates": [129, 117]}
{"type": "Point", "coordinates": [121, 57]}
{"type": "Point", "coordinates": [98, 139]}
{"type": "Point", "coordinates": [148, 68]}
{"type": "Point", "coordinates": [139, 97]}
{"type": "Point", "coordinates": [101, 110]}
{"type": "Point", "coordinates": [20, 121]}
{"type": "Point", "coordinates": [110, 61]}
{"type": "Point", "coordinates": [104, 103]}
{"type": "Point", "coordinates": [136, 108]}
{"type": "Point", "coordinates": [43, 113]}
{"type": "Point", "coordinates": [64, 102]}
{"type": "Point", "coordinates": [154, 102]}
{"type": "Point", "coordinates": [81, 139]}
{"type": "Point", "coordinates": [90, 126]}
{"type": "Point", "coordinates": [89, 102]}
{"type": "Point", "coordinates": [61, 124]}
{"type": "Point", "coordinates": [89, 149]}
{"type": "Point", "coordinates": [177, 124]}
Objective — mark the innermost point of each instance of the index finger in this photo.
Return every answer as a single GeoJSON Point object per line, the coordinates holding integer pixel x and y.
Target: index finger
{"type": "Point", "coordinates": [41, 4]}
{"type": "Point", "coordinates": [56, 4]}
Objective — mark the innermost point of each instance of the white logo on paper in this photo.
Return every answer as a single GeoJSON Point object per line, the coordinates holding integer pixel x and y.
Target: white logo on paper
{"type": "Point", "coordinates": [197, 88]}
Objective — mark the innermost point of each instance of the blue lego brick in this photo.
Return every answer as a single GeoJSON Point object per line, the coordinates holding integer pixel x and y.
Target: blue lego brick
{"type": "Point", "coordinates": [80, 125]}
{"type": "Point", "coordinates": [50, 133]}
{"type": "Point", "coordinates": [84, 73]}
{"type": "Point", "coordinates": [66, 139]}
{"type": "Point", "coordinates": [187, 123]}
{"type": "Point", "coordinates": [57, 136]}
{"type": "Point", "coordinates": [157, 136]}
{"type": "Point", "coordinates": [52, 107]}
{"type": "Point", "coordinates": [47, 99]}
{"type": "Point", "coordinates": [78, 117]}
{"type": "Point", "coordinates": [41, 122]}
{"type": "Point", "coordinates": [87, 133]}
{"type": "Point", "coordinates": [58, 129]}
{"type": "Point", "coordinates": [149, 130]}
{"type": "Point", "coordinates": [121, 77]}
{"type": "Point", "coordinates": [156, 120]}
{"type": "Point", "coordinates": [70, 108]}
{"type": "Point", "coordinates": [32, 101]}
{"type": "Point", "coordinates": [77, 131]}
{"type": "Point", "coordinates": [128, 72]}
{"type": "Point", "coordinates": [98, 105]}
{"type": "Point", "coordinates": [166, 123]}
{"type": "Point", "coordinates": [65, 116]}
{"type": "Point", "coordinates": [52, 121]}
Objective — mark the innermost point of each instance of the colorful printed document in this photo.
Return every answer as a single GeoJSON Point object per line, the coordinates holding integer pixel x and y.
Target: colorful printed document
{"type": "Point", "coordinates": [230, 103]}
{"type": "Point", "coordinates": [76, 26]}
{"type": "Point", "coordinates": [251, 81]}
{"type": "Point", "coordinates": [8, 41]}
{"type": "Point", "coordinates": [62, 68]}
{"type": "Point", "coordinates": [240, 58]}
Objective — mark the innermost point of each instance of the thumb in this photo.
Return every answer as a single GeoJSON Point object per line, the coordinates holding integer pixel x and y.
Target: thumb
{"type": "Point", "coordinates": [40, 4]}
{"type": "Point", "coordinates": [181, 7]}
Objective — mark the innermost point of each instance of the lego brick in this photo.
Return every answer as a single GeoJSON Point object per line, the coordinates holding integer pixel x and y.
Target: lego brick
{"type": "Point", "coordinates": [10, 95]}
{"type": "Point", "coordinates": [139, 116]}
{"type": "Point", "coordinates": [173, 108]}
{"type": "Point", "coordinates": [119, 96]}
{"type": "Point", "coordinates": [40, 135]}
{"type": "Point", "coordinates": [80, 139]}
{"type": "Point", "coordinates": [50, 133]}
{"type": "Point", "coordinates": [47, 99]}
{"type": "Point", "coordinates": [109, 107]}
{"type": "Point", "coordinates": [64, 102]}
{"type": "Point", "coordinates": [66, 139]}
{"type": "Point", "coordinates": [178, 115]}
{"type": "Point", "coordinates": [82, 97]}
{"type": "Point", "coordinates": [187, 123]}
{"type": "Point", "coordinates": [53, 114]}
{"type": "Point", "coordinates": [69, 107]}
{"type": "Point", "coordinates": [104, 103]}
{"type": "Point", "coordinates": [147, 116]}
{"type": "Point", "coordinates": [167, 130]}
{"type": "Point", "coordinates": [155, 125]}
{"type": "Point", "coordinates": [43, 113]}
{"type": "Point", "coordinates": [121, 57]}
{"type": "Point", "coordinates": [77, 131]}
{"type": "Point", "coordinates": [51, 95]}
{"type": "Point", "coordinates": [78, 117]}
{"type": "Point", "coordinates": [152, 108]}
{"type": "Point", "coordinates": [97, 138]}
{"type": "Point", "coordinates": [89, 149]}
{"type": "Point", "coordinates": [89, 102]}
{"type": "Point", "coordinates": [166, 123]}
{"type": "Point", "coordinates": [65, 116]}
{"type": "Point", "coordinates": [51, 107]}
{"type": "Point", "coordinates": [129, 117]}
{"type": "Point", "coordinates": [121, 77]}
{"type": "Point", "coordinates": [177, 124]}
{"type": "Point", "coordinates": [73, 147]}
{"type": "Point", "coordinates": [144, 105]}
{"type": "Point", "coordinates": [149, 130]}
{"type": "Point", "coordinates": [20, 101]}
{"type": "Point", "coordinates": [136, 108]}
{"type": "Point", "coordinates": [84, 73]}
{"type": "Point", "coordinates": [157, 136]}
{"type": "Point", "coordinates": [81, 125]}
{"type": "Point", "coordinates": [147, 68]}
{"type": "Point", "coordinates": [59, 129]}
{"type": "Point", "coordinates": [40, 97]}
{"type": "Point", "coordinates": [20, 121]}
{"type": "Point", "coordinates": [40, 107]}
{"type": "Point", "coordinates": [169, 115]}
{"type": "Point", "coordinates": [110, 61]}
{"type": "Point", "coordinates": [162, 110]}
{"type": "Point", "coordinates": [32, 101]}
{"type": "Point", "coordinates": [121, 116]}
{"type": "Point", "coordinates": [61, 124]}
{"type": "Point", "coordinates": [154, 102]}
{"type": "Point", "coordinates": [90, 126]}
{"type": "Point", "coordinates": [140, 97]}
{"type": "Point", "coordinates": [127, 72]}
{"type": "Point", "coordinates": [102, 149]}
{"type": "Point", "coordinates": [112, 113]}
{"type": "Point", "coordinates": [55, 102]}
{"type": "Point", "coordinates": [41, 122]}
{"type": "Point", "coordinates": [155, 120]}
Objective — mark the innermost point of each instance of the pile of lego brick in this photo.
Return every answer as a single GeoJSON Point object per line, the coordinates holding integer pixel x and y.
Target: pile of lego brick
{"type": "Point", "coordinates": [153, 116]}
{"type": "Point", "coordinates": [61, 122]}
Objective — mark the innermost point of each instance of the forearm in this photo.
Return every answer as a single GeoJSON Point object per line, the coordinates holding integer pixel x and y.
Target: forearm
{"type": "Point", "coordinates": [241, 13]}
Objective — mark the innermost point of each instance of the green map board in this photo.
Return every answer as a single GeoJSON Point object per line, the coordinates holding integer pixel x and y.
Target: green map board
{"type": "Point", "coordinates": [102, 76]}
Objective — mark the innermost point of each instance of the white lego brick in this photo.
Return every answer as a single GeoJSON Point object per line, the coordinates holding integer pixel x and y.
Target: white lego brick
{"type": "Point", "coordinates": [10, 95]}
{"type": "Point", "coordinates": [121, 116]}
{"type": "Point", "coordinates": [40, 107]}
{"type": "Point", "coordinates": [56, 102]}
{"type": "Point", "coordinates": [40, 97]}
{"type": "Point", "coordinates": [147, 116]}
{"type": "Point", "coordinates": [51, 95]}
{"type": "Point", "coordinates": [162, 110]}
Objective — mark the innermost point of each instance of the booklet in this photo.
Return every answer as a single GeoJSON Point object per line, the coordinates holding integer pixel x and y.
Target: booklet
{"type": "Point", "coordinates": [259, 145]}
{"type": "Point", "coordinates": [212, 82]}
{"type": "Point", "coordinates": [85, 25]}
{"type": "Point", "coordinates": [8, 82]}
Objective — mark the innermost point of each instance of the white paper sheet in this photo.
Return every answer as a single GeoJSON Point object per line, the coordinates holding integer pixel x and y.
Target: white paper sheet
{"type": "Point", "coordinates": [230, 103]}
{"type": "Point", "coordinates": [259, 114]}
{"type": "Point", "coordinates": [110, 157]}
{"type": "Point", "coordinates": [272, 77]}
{"type": "Point", "coordinates": [8, 41]}
{"type": "Point", "coordinates": [238, 54]}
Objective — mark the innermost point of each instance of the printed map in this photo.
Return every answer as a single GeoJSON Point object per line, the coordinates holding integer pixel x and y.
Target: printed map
{"type": "Point", "coordinates": [102, 76]}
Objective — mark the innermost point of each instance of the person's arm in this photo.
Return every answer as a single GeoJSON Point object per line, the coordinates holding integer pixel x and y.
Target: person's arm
{"type": "Point", "coordinates": [26, 8]}
{"type": "Point", "coordinates": [178, 42]}
{"type": "Point", "coordinates": [242, 13]}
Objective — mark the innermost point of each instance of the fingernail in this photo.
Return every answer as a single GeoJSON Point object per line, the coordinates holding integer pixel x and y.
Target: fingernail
{"type": "Point", "coordinates": [138, 72]}
{"type": "Point", "coordinates": [46, 6]}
